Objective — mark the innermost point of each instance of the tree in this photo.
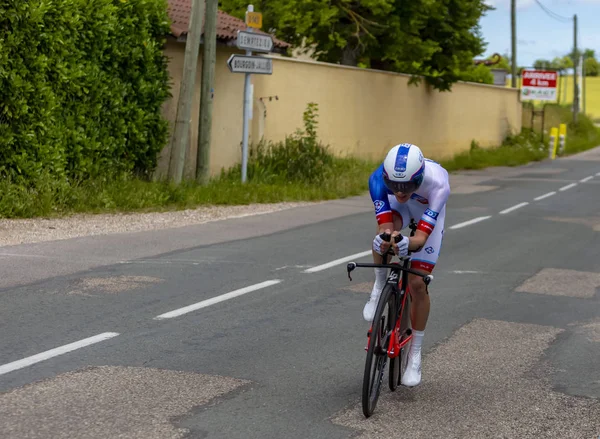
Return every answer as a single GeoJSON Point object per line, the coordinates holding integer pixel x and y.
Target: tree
{"type": "Point", "coordinates": [591, 67]}
{"type": "Point", "coordinates": [589, 53]}
{"type": "Point", "coordinates": [436, 39]}
{"type": "Point", "coordinates": [542, 64]}
{"type": "Point", "coordinates": [481, 73]}
{"type": "Point", "coordinates": [562, 63]}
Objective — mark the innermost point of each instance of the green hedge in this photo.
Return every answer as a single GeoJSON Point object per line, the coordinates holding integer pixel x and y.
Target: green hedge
{"type": "Point", "coordinates": [81, 88]}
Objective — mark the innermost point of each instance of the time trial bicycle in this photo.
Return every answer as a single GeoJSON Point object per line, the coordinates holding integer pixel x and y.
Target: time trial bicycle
{"type": "Point", "coordinates": [390, 333]}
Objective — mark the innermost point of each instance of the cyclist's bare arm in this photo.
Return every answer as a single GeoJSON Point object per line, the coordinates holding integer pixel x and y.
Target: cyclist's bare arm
{"type": "Point", "coordinates": [417, 242]}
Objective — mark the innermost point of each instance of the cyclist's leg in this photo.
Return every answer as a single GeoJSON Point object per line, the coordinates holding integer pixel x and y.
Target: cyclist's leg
{"type": "Point", "coordinates": [423, 261]}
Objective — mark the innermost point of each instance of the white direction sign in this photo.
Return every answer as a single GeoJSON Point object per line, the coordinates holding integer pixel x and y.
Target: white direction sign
{"type": "Point", "coordinates": [250, 64]}
{"type": "Point", "coordinates": [254, 42]}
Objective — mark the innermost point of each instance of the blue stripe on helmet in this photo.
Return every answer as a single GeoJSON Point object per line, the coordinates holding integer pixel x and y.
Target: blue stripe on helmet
{"type": "Point", "coordinates": [418, 176]}
{"type": "Point", "coordinates": [401, 158]}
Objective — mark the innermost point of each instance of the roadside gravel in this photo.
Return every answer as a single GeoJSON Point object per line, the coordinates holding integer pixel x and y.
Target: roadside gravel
{"type": "Point", "coordinates": [27, 231]}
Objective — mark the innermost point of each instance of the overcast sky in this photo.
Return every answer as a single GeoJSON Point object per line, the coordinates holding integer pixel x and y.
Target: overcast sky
{"type": "Point", "coordinates": [539, 35]}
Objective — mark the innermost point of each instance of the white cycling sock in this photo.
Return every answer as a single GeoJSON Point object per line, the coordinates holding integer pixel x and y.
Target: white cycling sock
{"type": "Point", "coordinates": [417, 341]}
{"type": "Point", "coordinates": [380, 278]}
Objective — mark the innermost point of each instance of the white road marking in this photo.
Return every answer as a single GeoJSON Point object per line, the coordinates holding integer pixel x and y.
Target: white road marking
{"type": "Point", "coordinates": [510, 209]}
{"type": "Point", "coordinates": [569, 186]}
{"type": "Point", "coordinates": [583, 180]}
{"type": "Point", "coordinates": [541, 197]}
{"type": "Point", "coordinates": [161, 262]}
{"type": "Point", "coordinates": [55, 352]}
{"type": "Point", "coordinates": [338, 262]}
{"type": "Point", "coordinates": [291, 266]}
{"type": "Point", "coordinates": [473, 221]}
{"type": "Point", "coordinates": [217, 299]}
{"type": "Point", "coordinates": [466, 272]}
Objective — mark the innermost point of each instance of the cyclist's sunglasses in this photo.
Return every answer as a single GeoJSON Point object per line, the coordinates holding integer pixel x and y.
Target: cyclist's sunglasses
{"type": "Point", "coordinates": [404, 187]}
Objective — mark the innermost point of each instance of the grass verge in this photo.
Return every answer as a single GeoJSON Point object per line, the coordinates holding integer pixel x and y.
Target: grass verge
{"type": "Point", "coordinates": [276, 174]}
{"type": "Point", "coordinates": [347, 177]}
{"type": "Point", "coordinates": [516, 150]}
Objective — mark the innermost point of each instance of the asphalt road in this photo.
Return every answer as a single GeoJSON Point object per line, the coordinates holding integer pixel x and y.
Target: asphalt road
{"type": "Point", "coordinates": [219, 331]}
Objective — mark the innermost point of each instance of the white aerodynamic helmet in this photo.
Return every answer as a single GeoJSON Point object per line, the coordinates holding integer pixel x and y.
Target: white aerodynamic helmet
{"type": "Point", "coordinates": [403, 168]}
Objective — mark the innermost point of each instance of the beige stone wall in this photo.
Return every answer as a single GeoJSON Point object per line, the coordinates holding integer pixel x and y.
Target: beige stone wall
{"type": "Point", "coordinates": [227, 111]}
{"type": "Point", "coordinates": [365, 112]}
{"type": "Point", "coordinates": [361, 112]}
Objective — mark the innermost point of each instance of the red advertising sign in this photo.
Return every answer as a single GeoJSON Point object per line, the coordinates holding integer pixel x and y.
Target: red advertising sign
{"type": "Point", "coordinates": [539, 85]}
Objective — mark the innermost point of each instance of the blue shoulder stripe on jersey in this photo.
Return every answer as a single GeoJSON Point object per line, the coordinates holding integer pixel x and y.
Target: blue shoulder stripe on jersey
{"type": "Point", "coordinates": [379, 192]}
{"type": "Point", "coordinates": [401, 158]}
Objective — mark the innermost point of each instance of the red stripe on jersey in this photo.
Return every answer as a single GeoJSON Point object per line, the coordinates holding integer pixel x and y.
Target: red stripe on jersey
{"type": "Point", "coordinates": [425, 227]}
{"type": "Point", "coordinates": [385, 217]}
{"type": "Point", "coordinates": [422, 266]}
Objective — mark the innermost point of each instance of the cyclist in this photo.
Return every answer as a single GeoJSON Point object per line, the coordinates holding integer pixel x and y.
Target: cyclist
{"type": "Point", "coordinates": [408, 186]}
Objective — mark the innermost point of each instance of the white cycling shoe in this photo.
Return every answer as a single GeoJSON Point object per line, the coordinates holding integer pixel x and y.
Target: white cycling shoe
{"type": "Point", "coordinates": [370, 308]}
{"type": "Point", "coordinates": [412, 374]}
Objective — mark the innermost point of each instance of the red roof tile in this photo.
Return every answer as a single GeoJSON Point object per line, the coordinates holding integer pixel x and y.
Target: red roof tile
{"type": "Point", "coordinates": [227, 26]}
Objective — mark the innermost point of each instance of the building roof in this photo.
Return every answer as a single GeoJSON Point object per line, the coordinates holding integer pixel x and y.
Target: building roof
{"type": "Point", "coordinates": [227, 25]}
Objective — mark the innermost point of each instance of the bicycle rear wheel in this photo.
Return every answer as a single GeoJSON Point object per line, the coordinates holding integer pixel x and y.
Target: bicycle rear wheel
{"type": "Point", "coordinates": [381, 330]}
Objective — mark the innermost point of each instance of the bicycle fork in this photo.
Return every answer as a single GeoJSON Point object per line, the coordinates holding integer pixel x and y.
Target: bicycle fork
{"type": "Point", "coordinates": [395, 344]}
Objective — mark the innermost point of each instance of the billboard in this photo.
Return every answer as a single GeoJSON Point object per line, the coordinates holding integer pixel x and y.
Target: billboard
{"type": "Point", "coordinates": [539, 85]}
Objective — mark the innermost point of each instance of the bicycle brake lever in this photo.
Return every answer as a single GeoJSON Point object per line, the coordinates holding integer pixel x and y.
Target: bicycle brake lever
{"type": "Point", "coordinates": [427, 279]}
{"type": "Point", "coordinates": [351, 266]}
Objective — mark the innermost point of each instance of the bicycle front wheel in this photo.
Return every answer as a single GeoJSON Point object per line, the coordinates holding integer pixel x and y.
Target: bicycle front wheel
{"type": "Point", "coordinates": [381, 330]}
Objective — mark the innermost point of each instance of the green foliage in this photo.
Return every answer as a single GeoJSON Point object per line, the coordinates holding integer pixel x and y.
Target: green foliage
{"type": "Point", "coordinates": [299, 158]}
{"type": "Point", "coordinates": [525, 147]}
{"type": "Point", "coordinates": [543, 64]}
{"type": "Point", "coordinates": [434, 39]}
{"type": "Point", "coordinates": [481, 74]}
{"type": "Point", "coordinates": [515, 150]}
{"type": "Point", "coordinates": [298, 169]}
{"type": "Point", "coordinates": [580, 136]}
{"type": "Point", "coordinates": [81, 88]}
{"type": "Point", "coordinates": [505, 63]}
{"type": "Point", "coordinates": [591, 67]}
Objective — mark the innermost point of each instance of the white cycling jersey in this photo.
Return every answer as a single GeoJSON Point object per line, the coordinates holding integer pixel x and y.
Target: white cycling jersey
{"type": "Point", "coordinates": [427, 205]}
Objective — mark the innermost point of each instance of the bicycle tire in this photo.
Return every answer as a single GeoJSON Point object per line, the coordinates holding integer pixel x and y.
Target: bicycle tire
{"type": "Point", "coordinates": [372, 384]}
{"type": "Point", "coordinates": [405, 325]}
{"type": "Point", "coordinates": [396, 363]}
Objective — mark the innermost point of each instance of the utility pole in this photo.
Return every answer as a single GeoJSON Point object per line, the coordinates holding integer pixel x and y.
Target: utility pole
{"type": "Point", "coordinates": [513, 25]}
{"type": "Point", "coordinates": [575, 70]}
{"type": "Point", "coordinates": [186, 93]}
{"type": "Point", "coordinates": [583, 74]}
{"type": "Point", "coordinates": [247, 110]}
{"type": "Point", "coordinates": [206, 100]}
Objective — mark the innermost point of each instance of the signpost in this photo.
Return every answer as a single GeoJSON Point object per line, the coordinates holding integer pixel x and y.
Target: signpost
{"type": "Point", "coordinates": [250, 64]}
{"type": "Point", "coordinates": [539, 85]}
{"type": "Point", "coordinates": [254, 42]}
{"type": "Point", "coordinates": [249, 41]}
{"type": "Point", "coordinates": [253, 19]}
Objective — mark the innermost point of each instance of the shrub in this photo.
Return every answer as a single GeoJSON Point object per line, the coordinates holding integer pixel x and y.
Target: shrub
{"type": "Point", "coordinates": [298, 158]}
{"type": "Point", "coordinates": [81, 88]}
